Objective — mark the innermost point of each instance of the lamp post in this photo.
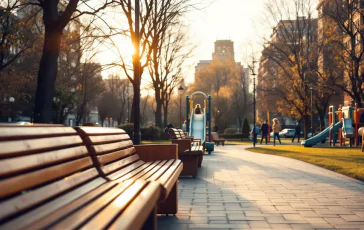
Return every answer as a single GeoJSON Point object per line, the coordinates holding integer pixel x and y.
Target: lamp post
{"type": "Point", "coordinates": [136, 114]}
{"type": "Point", "coordinates": [311, 88]}
{"type": "Point", "coordinates": [180, 92]}
{"type": "Point", "coordinates": [254, 104]}
{"type": "Point", "coordinates": [11, 102]}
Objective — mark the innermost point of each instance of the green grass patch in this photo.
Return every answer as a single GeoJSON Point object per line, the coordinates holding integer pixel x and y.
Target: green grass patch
{"type": "Point", "coordinates": [347, 161]}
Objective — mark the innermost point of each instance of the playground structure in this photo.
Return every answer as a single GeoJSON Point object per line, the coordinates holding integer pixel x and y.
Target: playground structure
{"type": "Point", "coordinates": [343, 125]}
{"type": "Point", "coordinates": [196, 123]}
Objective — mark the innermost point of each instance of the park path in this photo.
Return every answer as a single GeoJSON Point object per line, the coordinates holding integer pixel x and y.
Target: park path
{"type": "Point", "coordinates": [238, 189]}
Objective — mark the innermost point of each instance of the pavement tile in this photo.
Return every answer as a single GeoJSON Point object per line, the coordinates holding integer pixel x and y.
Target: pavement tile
{"type": "Point", "coordinates": [237, 189]}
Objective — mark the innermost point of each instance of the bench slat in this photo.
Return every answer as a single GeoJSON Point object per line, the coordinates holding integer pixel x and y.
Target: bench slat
{"type": "Point", "coordinates": [29, 131]}
{"type": "Point", "coordinates": [106, 169]}
{"type": "Point", "coordinates": [104, 159]}
{"type": "Point", "coordinates": [18, 164]}
{"type": "Point", "coordinates": [102, 219]}
{"type": "Point", "coordinates": [100, 131]}
{"type": "Point", "coordinates": [161, 171]}
{"type": "Point", "coordinates": [154, 170]}
{"type": "Point", "coordinates": [100, 149]}
{"type": "Point", "coordinates": [108, 138]}
{"type": "Point", "coordinates": [13, 148]}
{"type": "Point", "coordinates": [127, 173]}
{"type": "Point", "coordinates": [25, 181]}
{"type": "Point", "coordinates": [169, 178]}
{"type": "Point", "coordinates": [138, 209]}
{"type": "Point", "coordinates": [39, 216]}
{"type": "Point", "coordinates": [146, 170]}
{"type": "Point", "coordinates": [94, 205]}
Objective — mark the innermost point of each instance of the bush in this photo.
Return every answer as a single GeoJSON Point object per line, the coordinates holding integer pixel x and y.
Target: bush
{"type": "Point", "coordinates": [128, 128]}
{"type": "Point", "coordinates": [230, 131]}
{"type": "Point", "coordinates": [148, 133]}
{"type": "Point", "coordinates": [151, 133]}
{"type": "Point", "coordinates": [246, 128]}
{"type": "Point", "coordinates": [235, 136]}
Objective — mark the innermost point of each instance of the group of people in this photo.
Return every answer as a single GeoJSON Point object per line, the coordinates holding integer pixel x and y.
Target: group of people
{"type": "Point", "coordinates": [276, 128]}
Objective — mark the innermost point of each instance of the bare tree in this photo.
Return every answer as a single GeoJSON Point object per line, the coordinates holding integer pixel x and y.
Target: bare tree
{"type": "Point", "coordinates": [347, 45]}
{"type": "Point", "coordinates": [170, 52]}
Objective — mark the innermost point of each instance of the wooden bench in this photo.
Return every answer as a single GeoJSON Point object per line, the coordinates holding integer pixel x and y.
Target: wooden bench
{"type": "Point", "coordinates": [217, 139]}
{"type": "Point", "coordinates": [190, 151]}
{"type": "Point", "coordinates": [118, 159]}
{"type": "Point", "coordinates": [47, 180]}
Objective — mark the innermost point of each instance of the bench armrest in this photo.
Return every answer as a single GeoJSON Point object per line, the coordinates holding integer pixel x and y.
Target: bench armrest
{"type": "Point", "coordinates": [157, 152]}
{"type": "Point", "coordinates": [183, 144]}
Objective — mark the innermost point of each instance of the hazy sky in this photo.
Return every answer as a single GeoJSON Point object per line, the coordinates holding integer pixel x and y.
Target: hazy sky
{"type": "Point", "coordinates": [237, 20]}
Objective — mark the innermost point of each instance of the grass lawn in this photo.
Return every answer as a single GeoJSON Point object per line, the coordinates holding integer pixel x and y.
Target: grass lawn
{"type": "Point", "coordinates": [347, 161]}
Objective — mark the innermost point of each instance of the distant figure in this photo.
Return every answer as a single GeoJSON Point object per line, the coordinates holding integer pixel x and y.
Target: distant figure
{"type": "Point", "coordinates": [216, 128]}
{"type": "Point", "coordinates": [297, 132]}
{"type": "Point", "coordinates": [184, 126]}
{"type": "Point", "coordinates": [198, 109]}
{"type": "Point", "coordinates": [170, 125]}
{"type": "Point", "coordinates": [255, 132]}
{"type": "Point", "coordinates": [264, 132]}
{"type": "Point", "coordinates": [276, 129]}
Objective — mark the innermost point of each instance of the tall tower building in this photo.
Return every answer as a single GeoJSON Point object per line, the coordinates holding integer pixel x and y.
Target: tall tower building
{"type": "Point", "coordinates": [224, 49]}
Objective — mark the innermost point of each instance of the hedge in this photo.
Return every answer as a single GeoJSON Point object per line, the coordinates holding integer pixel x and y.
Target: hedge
{"type": "Point", "coordinates": [235, 136]}
{"type": "Point", "coordinates": [148, 133]}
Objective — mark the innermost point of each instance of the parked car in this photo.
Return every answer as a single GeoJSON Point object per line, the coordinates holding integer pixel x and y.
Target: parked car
{"type": "Point", "coordinates": [285, 133]}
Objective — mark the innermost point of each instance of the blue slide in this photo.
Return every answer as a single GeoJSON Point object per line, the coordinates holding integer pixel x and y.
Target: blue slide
{"type": "Point", "coordinates": [198, 126]}
{"type": "Point", "coordinates": [321, 136]}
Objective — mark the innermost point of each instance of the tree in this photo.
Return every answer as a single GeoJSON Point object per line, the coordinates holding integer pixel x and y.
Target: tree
{"type": "Point", "coordinates": [293, 50]}
{"type": "Point", "coordinates": [156, 17]}
{"type": "Point", "coordinates": [347, 45]}
{"type": "Point", "coordinates": [108, 106]}
{"type": "Point", "coordinates": [56, 16]}
{"type": "Point", "coordinates": [169, 51]}
{"type": "Point", "coordinates": [246, 128]}
{"type": "Point", "coordinates": [121, 89]}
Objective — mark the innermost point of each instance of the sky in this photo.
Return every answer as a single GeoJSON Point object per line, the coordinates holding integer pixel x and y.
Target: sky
{"type": "Point", "coordinates": [236, 20]}
{"type": "Point", "coordinates": [241, 21]}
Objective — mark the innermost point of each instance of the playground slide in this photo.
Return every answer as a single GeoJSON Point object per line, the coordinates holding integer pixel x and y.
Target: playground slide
{"type": "Point", "coordinates": [198, 126]}
{"type": "Point", "coordinates": [321, 136]}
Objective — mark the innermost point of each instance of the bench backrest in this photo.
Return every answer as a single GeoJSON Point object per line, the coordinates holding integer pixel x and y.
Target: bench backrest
{"type": "Point", "coordinates": [174, 134]}
{"type": "Point", "coordinates": [34, 161]}
{"type": "Point", "coordinates": [110, 148]}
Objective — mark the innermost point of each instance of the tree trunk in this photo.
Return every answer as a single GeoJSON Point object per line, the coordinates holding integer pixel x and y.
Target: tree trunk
{"type": "Point", "coordinates": [158, 114]}
{"type": "Point", "coordinates": [165, 110]}
{"type": "Point", "coordinates": [47, 77]}
{"type": "Point", "coordinates": [306, 122]}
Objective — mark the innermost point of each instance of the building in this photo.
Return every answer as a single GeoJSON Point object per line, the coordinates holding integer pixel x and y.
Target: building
{"type": "Point", "coordinates": [223, 59]}
{"type": "Point", "coordinates": [289, 42]}
{"type": "Point", "coordinates": [326, 61]}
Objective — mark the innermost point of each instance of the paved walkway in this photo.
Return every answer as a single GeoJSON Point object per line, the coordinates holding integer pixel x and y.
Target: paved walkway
{"type": "Point", "coordinates": [238, 189]}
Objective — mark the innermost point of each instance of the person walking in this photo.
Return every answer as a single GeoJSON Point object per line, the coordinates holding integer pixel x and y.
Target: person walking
{"type": "Point", "coordinates": [264, 132]}
{"type": "Point", "coordinates": [255, 132]}
{"type": "Point", "coordinates": [184, 126]}
{"type": "Point", "coordinates": [297, 132]}
{"type": "Point", "coordinates": [276, 129]}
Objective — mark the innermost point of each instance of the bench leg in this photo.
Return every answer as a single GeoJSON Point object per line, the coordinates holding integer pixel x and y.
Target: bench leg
{"type": "Point", "coordinates": [200, 161]}
{"type": "Point", "coordinates": [151, 222]}
{"type": "Point", "coordinates": [190, 164]}
{"type": "Point", "coordinates": [170, 206]}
